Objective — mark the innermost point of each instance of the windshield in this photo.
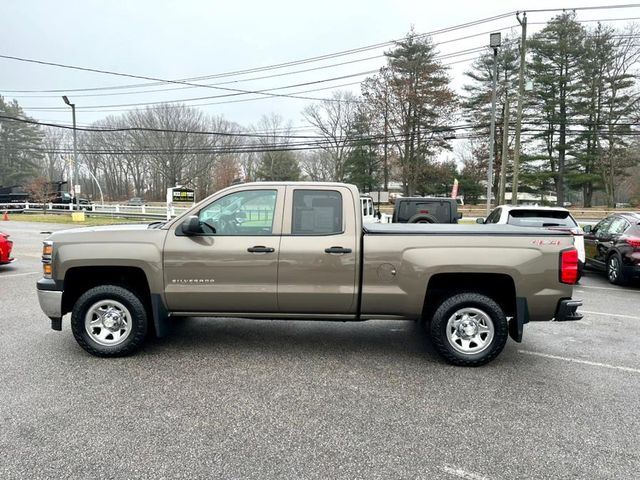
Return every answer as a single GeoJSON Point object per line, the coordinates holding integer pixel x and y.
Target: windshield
{"type": "Point", "coordinates": [541, 218]}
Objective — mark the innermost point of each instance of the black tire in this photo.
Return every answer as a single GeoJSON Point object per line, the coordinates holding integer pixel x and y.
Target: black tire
{"type": "Point", "coordinates": [475, 302]}
{"type": "Point", "coordinates": [120, 296]}
{"type": "Point", "coordinates": [614, 272]}
{"type": "Point", "coordinates": [423, 218]}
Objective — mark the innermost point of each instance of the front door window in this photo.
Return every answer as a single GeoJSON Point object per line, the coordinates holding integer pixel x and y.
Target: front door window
{"type": "Point", "coordinates": [248, 212]}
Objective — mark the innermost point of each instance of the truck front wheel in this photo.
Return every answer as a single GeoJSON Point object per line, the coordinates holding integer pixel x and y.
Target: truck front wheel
{"type": "Point", "coordinates": [109, 321]}
{"type": "Point", "coordinates": [469, 329]}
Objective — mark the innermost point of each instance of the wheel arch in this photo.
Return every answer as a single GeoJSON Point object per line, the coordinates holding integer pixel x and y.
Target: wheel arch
{"type": "Point", "coordinates": [499, 287]}
{"type": "Point", "coordinates": [78, 280]}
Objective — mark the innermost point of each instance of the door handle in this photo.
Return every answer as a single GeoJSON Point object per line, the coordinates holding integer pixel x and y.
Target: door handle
{"type": "Point", "coordinates": [337, 250]}
{"type": "Point", "coordinates": [260, 249]}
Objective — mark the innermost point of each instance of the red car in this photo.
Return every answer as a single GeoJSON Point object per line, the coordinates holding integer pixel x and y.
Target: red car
{"type": "Point", "coordinates": [5, 249]}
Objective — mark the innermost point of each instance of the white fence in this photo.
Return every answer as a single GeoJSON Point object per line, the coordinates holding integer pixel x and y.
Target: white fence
{"type": "Point", "coordinates": [141, 211]}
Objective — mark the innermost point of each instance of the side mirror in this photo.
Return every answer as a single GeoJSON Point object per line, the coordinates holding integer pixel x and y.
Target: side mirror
{"type": "Point", "coordinates": [191, 226]}
{"type": "Point", "coordinates": [587, 229]}
{"type": "Point", "coordinates": [480, 220]}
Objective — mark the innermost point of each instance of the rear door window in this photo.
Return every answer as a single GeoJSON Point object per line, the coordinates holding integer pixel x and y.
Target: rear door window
{"type": "Point", "coordinates": [316, 212]}
{"type": "Point", "coordinates": [538, 218]}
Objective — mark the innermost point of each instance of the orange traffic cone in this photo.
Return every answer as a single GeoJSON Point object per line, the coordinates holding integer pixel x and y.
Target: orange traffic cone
{"type": "Point", "coordinates": [5, 216]}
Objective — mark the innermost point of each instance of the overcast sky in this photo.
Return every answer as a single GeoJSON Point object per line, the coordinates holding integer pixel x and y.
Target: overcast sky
{"type": "Point", "coordinates": [192, 38]}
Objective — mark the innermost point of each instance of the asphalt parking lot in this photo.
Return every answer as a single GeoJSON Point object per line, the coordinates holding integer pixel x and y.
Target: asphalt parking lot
{"type": "Point", "coordinates": [235, 398]}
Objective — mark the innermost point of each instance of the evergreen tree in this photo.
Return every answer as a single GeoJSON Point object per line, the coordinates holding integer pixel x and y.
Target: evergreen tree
{"type": "Point", "coordinates": [437, 177]}
{"type": "Point", "coordinates": [20, 142]}
{"type": "Point", "coordinates": [278, 166]}
{"type": "Point", "coordinates": [417, 105]}
{"type": "Point", "coordinates": [476, 106]}
{"type": "Point", "coordinates": [598, 49]}
{"type": "Point", "coordinates": [605, 111]}
{"type": "Point", "coordinates": [362, 163]}
{"type": "Point", "coordinates": [275, 161]}
{"type": "Point", "coordinates": [556, 53]}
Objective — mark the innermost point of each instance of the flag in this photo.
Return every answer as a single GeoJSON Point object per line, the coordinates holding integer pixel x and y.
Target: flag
{"type": "Point", "coordinates": [454, 190]}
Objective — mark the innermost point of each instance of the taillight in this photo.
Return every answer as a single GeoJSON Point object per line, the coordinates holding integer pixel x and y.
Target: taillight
{"type": "Point", "coordinates": [634, 242]}
{"type": "Point", "coordinates": [569, 266]}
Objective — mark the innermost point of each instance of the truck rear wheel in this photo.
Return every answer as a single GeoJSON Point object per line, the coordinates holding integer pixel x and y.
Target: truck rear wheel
{"type": "Point", "coordinates": [469, 329]}
{"type": "Point", "coordinates": [109, 321]}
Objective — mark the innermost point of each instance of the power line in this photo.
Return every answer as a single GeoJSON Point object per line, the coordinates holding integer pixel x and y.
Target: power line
{"type": "Point", "coordinates": [158, 81]}
{"type": "Point", "coordinates": [193, 99]}
{"type": "Point", "coordinates": [315, 82]}
{"type": "Point", "coordinates": [177, 104]}
{"type": "Point", "coordinates": [295, 72]}
{"type": "Point", "coordinates": [319, 138]}
{"type": "Point", "coordinates": [142, 129]}
{"type": "Point", "coordinates": [294, 94]}
{"type": "Point", "coordinates": [577, 9]}
{"type": "Point", "coordinates": [144, 77]}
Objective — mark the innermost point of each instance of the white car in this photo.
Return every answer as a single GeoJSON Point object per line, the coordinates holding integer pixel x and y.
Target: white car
{"type": "Point", "coordinates": [532, 216]}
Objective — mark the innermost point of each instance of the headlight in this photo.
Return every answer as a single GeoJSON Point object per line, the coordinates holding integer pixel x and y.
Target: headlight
{"type": "Point", "coordinates": [47, 255]}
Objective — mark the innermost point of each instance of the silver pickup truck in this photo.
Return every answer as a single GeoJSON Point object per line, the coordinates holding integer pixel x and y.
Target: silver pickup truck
{"type": "Point", "coordinates": [300, 251]}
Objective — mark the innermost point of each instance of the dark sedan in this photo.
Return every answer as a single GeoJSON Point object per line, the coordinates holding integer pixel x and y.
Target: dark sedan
{"type": "Point", "coordinates": [613, 246]}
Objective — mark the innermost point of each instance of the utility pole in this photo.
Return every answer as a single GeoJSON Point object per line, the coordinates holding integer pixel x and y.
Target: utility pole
{"type": "Point", "coordinates": [494, 42]}
{"type": "Point", "coordinates": [516, 152]}
{"type": "Point", "coordinates": [76, 173]}
{"type": "Point", "coordinates": [505, 147]}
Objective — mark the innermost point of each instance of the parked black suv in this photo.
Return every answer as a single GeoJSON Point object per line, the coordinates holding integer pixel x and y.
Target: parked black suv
{"type": "Point", "coordinates": [613, 246]}
{"type": "Point", "coordinates": [425, 210]}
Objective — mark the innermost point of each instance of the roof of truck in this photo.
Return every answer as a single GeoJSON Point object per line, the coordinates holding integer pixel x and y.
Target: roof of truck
{"type": "Point", "coordinates": [301, 184]}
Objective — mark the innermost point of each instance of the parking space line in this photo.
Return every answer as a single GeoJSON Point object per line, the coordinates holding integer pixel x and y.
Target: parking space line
{"type": "Point", "coordinates": [620, 290]}
{"type": "Point", "coordinates": [583, 362]}
{"type": "Point", "coordinates": [610, 314]}
{"type": "Point", "coordinates": [460, 473]}
{"type": "Point", "coordinates": [19, 275]}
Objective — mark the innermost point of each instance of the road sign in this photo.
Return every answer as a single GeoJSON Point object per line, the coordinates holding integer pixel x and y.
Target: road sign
{"type": "Point", "coordinates": [182, 195]}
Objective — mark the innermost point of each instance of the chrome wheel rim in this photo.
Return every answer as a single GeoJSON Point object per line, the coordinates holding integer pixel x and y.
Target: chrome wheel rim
{"type": "Point", "coordinates": [108, 322]}
{"type": "Point", "coordinates": [470, 331]}
{"type": "Point", "coordinates": [613, 268]}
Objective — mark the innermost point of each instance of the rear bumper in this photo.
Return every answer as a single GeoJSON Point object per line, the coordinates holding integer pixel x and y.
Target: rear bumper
{"type": "Point", "coordinates": [567, 310]}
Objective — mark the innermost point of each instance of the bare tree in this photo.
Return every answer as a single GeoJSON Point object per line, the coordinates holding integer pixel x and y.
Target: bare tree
{"type": "Point", "coordinates": [53, 163]}
{"type": "Point", "coordinates": [333, 118]}
{"type": "Point", "coordinates": [277, 160]}
{"type": "Point", "coordinates": [317, 165]}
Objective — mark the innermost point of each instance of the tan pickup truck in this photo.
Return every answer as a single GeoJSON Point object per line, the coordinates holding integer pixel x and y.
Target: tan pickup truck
{"type": "Point", "coordinates": [300, 251]}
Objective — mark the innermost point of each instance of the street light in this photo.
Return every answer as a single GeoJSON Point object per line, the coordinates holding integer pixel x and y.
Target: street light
{"type": "Point", "coordinates": [75, 143]}
{"type": "Point", "coordinates": [494, 42]}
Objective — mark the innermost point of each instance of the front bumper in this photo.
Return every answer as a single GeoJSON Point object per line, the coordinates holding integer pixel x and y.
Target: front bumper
{"type": "Point", "coordinates": [567, 310]}
{"type": "Point", "coordinates": [50, 302]}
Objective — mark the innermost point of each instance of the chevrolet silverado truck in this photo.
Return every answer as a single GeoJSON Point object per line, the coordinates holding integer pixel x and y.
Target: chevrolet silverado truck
{"type": "Point", "coordinates": [300, 251]}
